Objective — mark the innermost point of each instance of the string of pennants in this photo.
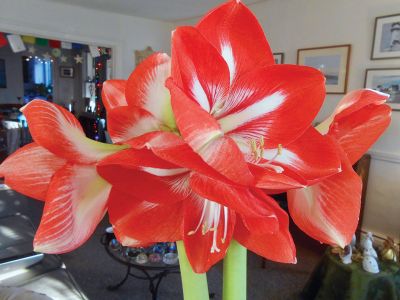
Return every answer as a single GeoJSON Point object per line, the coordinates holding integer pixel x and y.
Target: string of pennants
{"type": "Point", "coordinates": [18, 43]}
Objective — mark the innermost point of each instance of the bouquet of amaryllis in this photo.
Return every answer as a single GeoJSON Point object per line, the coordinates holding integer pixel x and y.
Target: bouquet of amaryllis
{"type": "Point", "coordinates": [201, 141]}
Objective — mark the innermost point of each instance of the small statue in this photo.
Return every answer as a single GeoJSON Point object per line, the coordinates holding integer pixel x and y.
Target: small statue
{"type": "Point", "coordinates": [369, 249]}
{"type": "Point", "coordinates": [353, 242]}
{"type": "Point", "coordinates": [345, 255]}
{"type": "Point", "coordinates": [365, 239]}
{"type": "Point", "coordinates": [370, 264]}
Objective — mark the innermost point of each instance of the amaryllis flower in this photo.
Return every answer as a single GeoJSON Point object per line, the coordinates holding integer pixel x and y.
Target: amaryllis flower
{"type": "Point", "coordinates": [246, 117]}
{"type": "Point", "coordinates": [328, 210]}
{"type": "Point", "coordinates": [153, 200]}
{"type": "Point", "coordinates": [59, 168]}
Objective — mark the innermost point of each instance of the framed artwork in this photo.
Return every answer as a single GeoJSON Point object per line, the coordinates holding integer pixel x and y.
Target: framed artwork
{"type": "Point", "coordinates": [385, 81]}
{"type": "Point", "coordinates": [67, 72]}
{"type": "Point", "coordinates": [332, 61]}
{"type": "Point", "coordinates": [3, 79]}
{"type": "Point", "coordinates": [386, 41]}
{"type": "Point", "coordinates": [279, 57]}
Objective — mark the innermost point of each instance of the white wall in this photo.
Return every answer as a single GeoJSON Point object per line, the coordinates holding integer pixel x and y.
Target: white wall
{"type": "Point", "coordinates": [71, 23]}
{"type": "Point", "coordinates": [293, 24]}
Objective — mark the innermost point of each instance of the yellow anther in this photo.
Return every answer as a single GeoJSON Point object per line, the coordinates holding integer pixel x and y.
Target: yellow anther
{"type": "Point", "coordinates": [204, 228]}
{"type": "Point", "coordinates": [280, 149]}
{"type": "Point", "coordinates": [262, 142]}
{"type": "Point", "coordinates": [223, 241]}
{"type": "Point", "coordinates": [191, 232]}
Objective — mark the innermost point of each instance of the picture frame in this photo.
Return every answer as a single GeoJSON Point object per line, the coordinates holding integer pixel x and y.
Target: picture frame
{"type": "Point", "coordinates": [279, 57]}
{"type": "Point", "coordinates": [3, 78]}
{"type": "Point", "coordinates": [386, 80]}
{"type": "Point", "coordinates": [67, 72]}
{"type": "Point", "coordinates": [332, 61]}
{"type": "Point", "coordinates": [386, 39]}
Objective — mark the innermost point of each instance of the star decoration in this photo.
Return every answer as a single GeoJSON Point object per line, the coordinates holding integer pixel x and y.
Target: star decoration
{"type": "Point", "coordinates": [31, 49]}
{"type": "Point", "coordinates": [78, 59]}
{"type": "Point", "coordinates": [46, 56]}
{"type": "Point", "coordinates": [63, 59]}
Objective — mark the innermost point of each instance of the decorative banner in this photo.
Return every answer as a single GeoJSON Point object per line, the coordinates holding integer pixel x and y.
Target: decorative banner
{"type": "Point", "coordinates": [3, 40]}
{"type": "Point", "coordinates": [16, 43]}
{"type": "Point", "coordinates": [42, 42]}
{"type": "Point", "coordinates": [56, 52]}
{"type": "Point", "coordinates": [63, 59]}
{"type": "Point", "coordinates": [66, 45]}
{"type": "Point", "coordinates": [29, 39]}
{"type": "Point", "coordinates": [77, 46]}
{"type": "Point", "coordinates": [54, 44]}
{"type": "Point", "coordinates": [78, 59]}
{"type": "Point", "coordinates": [94, 51]}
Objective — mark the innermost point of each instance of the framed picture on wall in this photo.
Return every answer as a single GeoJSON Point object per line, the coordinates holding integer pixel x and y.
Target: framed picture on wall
{"type": "Point", "coordinates": [386, 41]}
{"type": "Point", "coordinates": [385, 81]}
{"type": "Point", "coordinates": [67, 72]}
{"type": "Point", "coordinates": [279, 57]}
{"type": "Point", "coordinates": [332, 61]}
{"type": "Point", "coordinates": [3, 79]}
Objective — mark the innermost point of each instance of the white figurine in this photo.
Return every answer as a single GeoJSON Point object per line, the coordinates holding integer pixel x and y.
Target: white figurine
{"type": "Point", "coordinates": [346, 255]}
{"type": "Point", "coordinates": [365, 238]}
{"type": "Point", "coordinates": [370, 264]}
{"type": "Point", "coordinates": [369, 249]}
{"type": "Point", "coordinates": [353, 242]}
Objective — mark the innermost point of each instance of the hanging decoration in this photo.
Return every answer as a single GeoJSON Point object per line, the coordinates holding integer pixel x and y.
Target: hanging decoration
{"type": "Point", "coordinates": [77, 46]}
{"type": "Point", "coordinates": [66, 45]}
{"type": "Point", "coordinates": [29, 39]}
{"type": "Point", "coordinates": [56, 52]}
{"type": "Point", "coordinates": [46, 56]}
{"type": "Point", "coordinates": [16, 43]}
{"type": "Point", "coordinates": [54, 44]}
{"type": "Point", "coordinates": [42, 42]}
{"type": "Point", "coordinates": [63, 58]}
{"type": "Point", "coordinates": [94, 51]}
{"type": "Point", "coordinates": [3, 40]}
{"type": "Point", "coordinates": [78, 59]}
{"type": "Point", "coordinates": [32, 49]}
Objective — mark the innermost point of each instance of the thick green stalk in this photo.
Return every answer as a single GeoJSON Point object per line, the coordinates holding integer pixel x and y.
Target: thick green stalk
{"type": "Point", "coordinates": [235, 272]}
{"type": "Point", "coordinates": [194, 285]}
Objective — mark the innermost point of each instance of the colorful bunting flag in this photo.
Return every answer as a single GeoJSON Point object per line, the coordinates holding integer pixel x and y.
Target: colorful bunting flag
{"type": "Point", "coordinates": [66, 45]}
{"type": "Point", "coordinates": [28, 39]}
{"type": "Point", "coordinates": [3, 40]}
{"type": "Point", "coordinates": [54, 44]}
{"type": "Point", "coordinates": [42, 42]}
{"type": "Point", "coordinates": [77, 46]}
{"type": "Point", "coordinates": [16, 43]}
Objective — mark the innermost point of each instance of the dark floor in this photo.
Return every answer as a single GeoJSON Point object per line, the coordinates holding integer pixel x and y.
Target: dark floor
{"type": "Point", "coordinates": [93, 269]}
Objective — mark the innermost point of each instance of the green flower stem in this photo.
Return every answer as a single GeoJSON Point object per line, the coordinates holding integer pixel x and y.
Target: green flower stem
{"type": "Point", "coordinates": [235, 272]}
{"type": "Point", "coordinates": [194, 285]}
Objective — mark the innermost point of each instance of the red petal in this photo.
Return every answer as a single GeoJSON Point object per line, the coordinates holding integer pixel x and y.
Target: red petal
{"type": "Point", "coordinates": [198, 68]}
{"type": "Point", "coordinates": [113, 94]}
{"type": "Point", "coordinates": [202, 133]}
{"type": "Point", "coordinates": [355, 100]}
{"type": "Point", "coordinates": [328, 211]}
{"type": "Point", "coordinates": [273, 181]}
{"type": "Point", "coordinates": [133, 173]}
{"type": "Point", "coordinates": [242, 200]}
{"type": "Point", "coordinates": [30, 169]}
{"type": "Point", "coordinates": [198, 245]}
{"type": "Point", "coordinates": [127, 122]}
{"type": "Point", "coordinates": [312, 156]}
{"type": "Point", "coordinates": [235, 32]}
{"type": "Point", "coordinates": [57, 130]}
{"type": "Point", "coordinates": [265, 102]}
{"type": "Point", "coordinates": [146, 88]}
{"type": "Point", "coordinates": [75, 204]}
{"type": "Point", "coordinates": [139, 223]}
{"type": "Point", "coordinates": [276, 246]}
{"type": "Point", "coordinates": [357, 132]}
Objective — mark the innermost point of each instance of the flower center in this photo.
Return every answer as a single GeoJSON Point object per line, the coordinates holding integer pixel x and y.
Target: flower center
{"type": "Point", "coordinates": [209, 221]}
{"type": "Point", "coordinates": [257, 152]}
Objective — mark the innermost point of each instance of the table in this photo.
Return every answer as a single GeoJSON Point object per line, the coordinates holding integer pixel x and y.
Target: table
{"type": "Point", "coordinates": [153, 272]}
{"type": "Point", "coordinates": [333, 280]}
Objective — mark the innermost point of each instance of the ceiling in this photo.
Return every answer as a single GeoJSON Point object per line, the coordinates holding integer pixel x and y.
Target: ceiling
{"type": "Point", "coordinates": [165, 10]}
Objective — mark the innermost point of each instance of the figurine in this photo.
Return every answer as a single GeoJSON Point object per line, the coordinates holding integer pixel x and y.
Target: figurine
{"type": "Point", "coordinates": [353, 242]}
{"type": "Point", "coordinates": [365, 238]}
{"type": "Point", "coordinates": [369, 249]}
{"type": "Point", "coordinates": [345, 255]}
{"type": "Point", "coordinates": [370, 264]}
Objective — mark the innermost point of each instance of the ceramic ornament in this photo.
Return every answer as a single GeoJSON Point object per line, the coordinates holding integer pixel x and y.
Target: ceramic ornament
{"type": "Point", "coordinates": [365, 238]}
{"type": "Point", "coordinates": [369, 249]}
{"type": "Point", "coordinates": [345, 256]}
{"type": "Point", "coordinates": [353, 242]}
{"type": "Point", "coordinates": [370, 264]}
